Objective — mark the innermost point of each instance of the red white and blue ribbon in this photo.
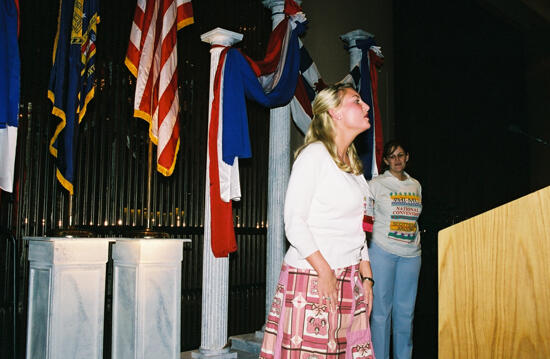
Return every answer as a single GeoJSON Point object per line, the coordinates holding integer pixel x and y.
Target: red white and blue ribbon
{"type": "Point", "coordinates": [287, 74]}
{"type": "Point", "coordinates": [309, 84]}
{"type": "Point", "coordinates": [270, 82]}
{"type": "Point", "coordinates": [364, 76]}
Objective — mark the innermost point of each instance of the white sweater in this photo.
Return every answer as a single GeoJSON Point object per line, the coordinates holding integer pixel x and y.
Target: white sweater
{"type": "Point", "coordinates": [324, 209]}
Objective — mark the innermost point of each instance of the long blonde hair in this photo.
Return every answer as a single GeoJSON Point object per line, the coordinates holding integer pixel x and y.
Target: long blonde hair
{"type": "Point", "coordinates": [321, 128]}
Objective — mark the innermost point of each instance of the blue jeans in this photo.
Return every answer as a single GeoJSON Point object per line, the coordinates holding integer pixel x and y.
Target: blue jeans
{"type": "Point", "coordinates": [394, 298]}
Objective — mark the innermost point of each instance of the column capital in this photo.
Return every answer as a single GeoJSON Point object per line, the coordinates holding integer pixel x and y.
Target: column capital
{"type": "Point", "coordinates": [219, 36]}
{"type": "Point", "coordinates": [274, 5]}
{"type": "Point", "coordinates": [351, 37]}
{"type": "Point", "coordinates": [277, 5]}
{"type": "Point", "coordinates": [277, 8]}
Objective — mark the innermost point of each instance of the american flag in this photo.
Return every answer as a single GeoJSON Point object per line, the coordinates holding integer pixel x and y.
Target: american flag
{"type": "Point", "coordinates": [152, 57]}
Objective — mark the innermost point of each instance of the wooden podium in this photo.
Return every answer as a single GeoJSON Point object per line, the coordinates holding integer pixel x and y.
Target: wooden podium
{"type": "Point", "coordinates": [494, 282]}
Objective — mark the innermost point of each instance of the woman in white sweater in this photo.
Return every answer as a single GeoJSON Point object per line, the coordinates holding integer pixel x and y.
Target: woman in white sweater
{"type": "Point", "coordinates": [324, 295]}
{"type": "Point", "coordinates": [395, 253]}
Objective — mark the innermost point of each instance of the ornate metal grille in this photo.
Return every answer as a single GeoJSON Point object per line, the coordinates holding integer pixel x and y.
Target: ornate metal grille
{"type": "Point", "coordinates": [110, 184]}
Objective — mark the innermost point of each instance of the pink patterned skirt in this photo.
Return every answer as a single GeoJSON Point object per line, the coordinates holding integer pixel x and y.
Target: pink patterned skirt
{"type": "Point", "coordinates": [300, 326]}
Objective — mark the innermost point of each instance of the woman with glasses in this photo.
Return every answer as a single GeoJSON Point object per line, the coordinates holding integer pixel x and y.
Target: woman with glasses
{"type": "Point", "coordinates": [395, 253]}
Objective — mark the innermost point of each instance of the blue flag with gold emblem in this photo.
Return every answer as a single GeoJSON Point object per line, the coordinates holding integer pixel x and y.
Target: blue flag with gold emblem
{"type": "Point", "coordinates": [72, 80]}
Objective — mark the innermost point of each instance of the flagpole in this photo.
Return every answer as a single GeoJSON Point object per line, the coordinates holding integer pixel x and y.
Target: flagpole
{"type": "Point", "coordinates": [153, 82]}
{"type": "Point", "coordinates": [71, 70]}
{"type": "Point", "coordinates": [71, 231]}
{"type": "Point", "coordinates": [149, 177]}
{"type": "Point", "coordinates": [70, 210]}
{"type": "Point", "coordinates": [148, 232]}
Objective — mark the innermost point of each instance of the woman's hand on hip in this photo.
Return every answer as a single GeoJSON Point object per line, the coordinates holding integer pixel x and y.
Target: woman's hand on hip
{"type": "Point", "coordinates": [327, 287]}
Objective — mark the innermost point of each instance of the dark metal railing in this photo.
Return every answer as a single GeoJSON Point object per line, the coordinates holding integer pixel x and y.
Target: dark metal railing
{"type": "Point", "coordinates": [110, 183]}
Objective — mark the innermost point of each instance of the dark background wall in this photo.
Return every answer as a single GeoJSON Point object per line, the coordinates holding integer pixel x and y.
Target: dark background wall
{"type": "Point", "coordinates": [330, 19]}
{"type": "Point", "coordinates": [464, 97]}
{"type": "Point", "coordinates": [471, 93]}
{"type": "Point", "coordinates": [465, 83]}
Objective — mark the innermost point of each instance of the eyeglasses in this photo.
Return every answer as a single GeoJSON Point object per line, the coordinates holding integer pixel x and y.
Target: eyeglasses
{"type": "Point", "coordinates": [400, 155]}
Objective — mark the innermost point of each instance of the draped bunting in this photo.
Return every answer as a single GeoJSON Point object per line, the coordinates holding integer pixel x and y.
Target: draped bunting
{"type": "Point", "coordinates": [239, 80]}
{"type": "Point", "coordinates": [309, 84]}
{"type": "Point", "coordinates": [9, 90]}
{"type": "Point", "coordinates": [376, 60]}
{"type": "Point", "coordinates": [270, 82]}
{"type": "Point", "coordinates": [370, 143]}
{"type": "Point", "coordinates": [287, 74]}
{"type": "Point", "coordinates": [222, 234]}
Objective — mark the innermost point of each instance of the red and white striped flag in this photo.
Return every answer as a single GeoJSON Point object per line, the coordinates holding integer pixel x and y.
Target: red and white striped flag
{"type": "Point", "coordinates": [152, 58]}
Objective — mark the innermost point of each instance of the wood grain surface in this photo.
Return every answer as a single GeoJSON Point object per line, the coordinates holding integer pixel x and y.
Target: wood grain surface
{"type": "Point", "coordinates": [494, 282]}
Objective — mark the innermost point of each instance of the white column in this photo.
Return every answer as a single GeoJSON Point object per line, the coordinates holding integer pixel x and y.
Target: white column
{"type": "Point", "coordinates": [66, 297]}
{"type": "Point", "coordinates": [215, 271]}
{"type": "Point", "coordinates": [278, 173]}
{"type": "Point", "coordinates": [147, 298]}
{"type": "Point", "coordinates": [350, 39]}
{"type": "Point", "coordinates": [355, 56]}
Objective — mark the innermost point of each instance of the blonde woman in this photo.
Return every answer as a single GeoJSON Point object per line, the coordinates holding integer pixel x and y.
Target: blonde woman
{"type": "Point", "coordinates": [324, 296]}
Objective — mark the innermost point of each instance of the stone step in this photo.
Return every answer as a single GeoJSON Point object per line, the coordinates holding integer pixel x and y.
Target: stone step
{"type": "Point", "coordinates": [249, 343]}
{"type": "Point", "coordinates": [240, 355]}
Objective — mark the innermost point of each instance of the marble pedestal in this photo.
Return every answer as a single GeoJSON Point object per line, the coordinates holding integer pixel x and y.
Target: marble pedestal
{"type": "Point", "coordinates": [147, 298]}
{"type": "Point", "coordinates": [66, 297]}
